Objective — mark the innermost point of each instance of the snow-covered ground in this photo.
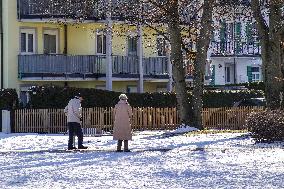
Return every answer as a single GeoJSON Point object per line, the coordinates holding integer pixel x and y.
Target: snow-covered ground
{"type": "Point", "coordinates": [157, 160]}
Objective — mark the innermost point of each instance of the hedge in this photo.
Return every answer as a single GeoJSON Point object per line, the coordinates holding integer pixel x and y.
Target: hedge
{"type": "Point", "coordinates": [58, 97]}
{"type": "Point", "coordinates": [9, 99]}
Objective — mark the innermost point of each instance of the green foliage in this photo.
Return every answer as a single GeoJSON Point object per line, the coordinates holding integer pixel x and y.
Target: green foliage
{"type": "Point", "coordinates": [226, 98]}
{"type": "Point", "coordinates": [9, 98]}
{"type": "Point", "coordinates": [250, 85]}
{"type": "Point", "coordinates": [267, 126]}
{"type": "Point", "coordinates": [58, 97]}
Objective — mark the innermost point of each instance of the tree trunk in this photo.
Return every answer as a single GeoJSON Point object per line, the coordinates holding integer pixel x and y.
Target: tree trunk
{"type": "Point", "coordinates": [202, 45]}
{"type": "Point", "coordinates": [271, 52]}
{"type": "Point", "coordinates": [184, 108]}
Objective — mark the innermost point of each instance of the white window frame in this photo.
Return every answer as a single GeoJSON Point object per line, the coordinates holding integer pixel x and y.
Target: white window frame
{"type": "Point", "coordinates": [160, 89]}
{"type": "Point", "coordinates": [101, 87]}
{"type": "Point", "coordinates": [100, 33]}
{"type": "Point", "coordinates": [52, 32]}
{"type": "Point", "coordinates": [230, 30]}
{"type": "Point", "coordinates": [28, 31]}
{"type": "Point", "coordinates": [131, 35]}
{"type": "Point", "coordinates": [254, 74]}
{"type": "Point", "coordinates": [161, 37]}
{"type": "Point", "coordinates": [132, 89]}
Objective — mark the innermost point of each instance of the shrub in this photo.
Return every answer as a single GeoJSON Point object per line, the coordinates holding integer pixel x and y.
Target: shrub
{"type": "Point", "coordinates": [226, 98]}
{"type": "Point", "coordinates": [267, 126]}
{"type": "Point", "coordinates": [58, 97]}
{"type": "Point", "coordinates": [8, 98]}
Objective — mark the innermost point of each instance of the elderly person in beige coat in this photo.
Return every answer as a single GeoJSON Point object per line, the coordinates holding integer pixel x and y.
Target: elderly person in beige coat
{"type": "Point", "coordinates": [122, 125]}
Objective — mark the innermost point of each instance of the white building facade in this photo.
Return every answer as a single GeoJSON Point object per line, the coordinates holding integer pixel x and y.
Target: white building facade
{"type": "Point", "coordinates": [235, 52]}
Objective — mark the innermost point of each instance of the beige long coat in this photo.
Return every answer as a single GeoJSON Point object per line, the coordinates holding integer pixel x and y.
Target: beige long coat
{"type": "Point", "coordinates": [122, 118]}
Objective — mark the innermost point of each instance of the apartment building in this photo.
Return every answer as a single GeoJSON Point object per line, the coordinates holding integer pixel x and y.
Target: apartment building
{"type": "Point", "coordinates": [43, 46]}
{"type": "Point", "coordinates": [235, 52]}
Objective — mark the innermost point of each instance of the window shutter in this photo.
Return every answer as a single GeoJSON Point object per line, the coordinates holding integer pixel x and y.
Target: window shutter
{"type": "Point", "coordinates": [223, 36]}
{"type": "Point", "coordinates": [249, 73]}
{"type": "Point", "coordinates": [238, 38]}
{"type": "Point", "coordinates": [249, 33]}
{"type": "Point", "coordinates": [223, 31]}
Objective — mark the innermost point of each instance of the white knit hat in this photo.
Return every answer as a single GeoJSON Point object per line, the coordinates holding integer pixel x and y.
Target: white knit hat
{"type": "Point", "coordinates": [123, 97]}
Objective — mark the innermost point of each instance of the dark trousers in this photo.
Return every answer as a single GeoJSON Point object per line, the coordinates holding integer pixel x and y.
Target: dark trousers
{"type": "Point", "coordinates": [75, 128]}
{"type": "Point", "coordinates": [119, 144]}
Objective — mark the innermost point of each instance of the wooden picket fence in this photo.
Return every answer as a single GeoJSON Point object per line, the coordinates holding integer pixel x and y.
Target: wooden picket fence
{"type": "Point", "coordinates": [95, 120]}
{"type": "Point", "coordinates": [231, 118]}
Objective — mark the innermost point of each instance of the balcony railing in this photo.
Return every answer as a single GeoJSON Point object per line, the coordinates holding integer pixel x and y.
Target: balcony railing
{"type": "Point", "coordinates": [155, 66]}
{"type": "Point", "coordinates": [88, 66]}
{"type": "Point", "coordinates": [75, 9]}
{"type": "Point", "coordinates": [60, 65]}
{"type": "Point", "coordinates": [235, 48]}
{"type": "Point", "coordinates": [125, 65]}
{"type": "Point", "coordinates": [89, 10]}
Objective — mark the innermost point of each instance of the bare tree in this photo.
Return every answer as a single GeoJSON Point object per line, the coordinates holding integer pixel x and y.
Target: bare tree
{"type": "Point", "coordinates": [269, 18]}
{"type": "Point", "coordinates": [183, 20]}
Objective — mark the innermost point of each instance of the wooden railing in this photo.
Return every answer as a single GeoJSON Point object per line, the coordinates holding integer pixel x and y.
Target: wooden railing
{"type": "Point", "coordinates": [97, 119]}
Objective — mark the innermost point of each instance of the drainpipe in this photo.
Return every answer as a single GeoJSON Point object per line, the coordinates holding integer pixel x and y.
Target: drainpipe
{"type": "Point", "coordinates": [140, 59]}
{"type": "Point", "coordinates": [109, 49]}
{"type": "Point", "coordinates": [65, 40]}
{"type": "Point", "coordinates": [2, 50]}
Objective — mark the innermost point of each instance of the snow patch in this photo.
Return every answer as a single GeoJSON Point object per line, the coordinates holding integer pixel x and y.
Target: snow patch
{"type": "Point", "coordinates": [183, 129]}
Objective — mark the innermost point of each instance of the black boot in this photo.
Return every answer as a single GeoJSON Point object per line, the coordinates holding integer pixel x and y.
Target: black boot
{"type": "Point", "coordinates": [126, 146]}
{"type": "Point", "coordinates": [82, 147]}
{"type": "Point", "coordinates": [71, 148]}
{"type": "Point", "coordinates": [119, 144]}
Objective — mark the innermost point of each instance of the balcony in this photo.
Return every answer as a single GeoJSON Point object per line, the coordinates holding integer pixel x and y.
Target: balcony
{"type": "Point", "coordinates": [75, 9]}
{"type": "Point", "coordinates": [220, 49]}
{"type": "Point", "coordinates": [40, 9]}
{"type": "Point", "coordinates": [88, 10]}
{"type": "Point", "coordinates": [87, 67]}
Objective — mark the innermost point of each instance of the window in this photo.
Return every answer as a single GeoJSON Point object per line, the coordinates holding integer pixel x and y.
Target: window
{"type": "Point", "coordinates": [255, 71]}
{"type": "Point", "coordinates": [161, 89]}
{"type": "Point", "coordinates": [50, 42]}
{"type": "Point", "coordinates": [101, 87]}
{"type": "Point", "coordinates": [161, 46]}
{"type": "Point", "coordinates": [27, 41]}
{"type": "Point", "coordinates": [131, 89]}
{"type": "Point", "coordinates": [132, 45]}
{"type": "Point", "coordinates": [101, 43]}
{"type": "Point", "coordinates": [230, 31]}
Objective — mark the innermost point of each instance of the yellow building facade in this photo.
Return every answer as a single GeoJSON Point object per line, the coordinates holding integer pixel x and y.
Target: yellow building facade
{"type": "Point", "coordinates": [41, 50]}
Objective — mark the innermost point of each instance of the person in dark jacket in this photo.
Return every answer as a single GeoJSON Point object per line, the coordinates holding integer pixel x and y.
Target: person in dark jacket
{"type": "Point", "coordinates": [73, 111]}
